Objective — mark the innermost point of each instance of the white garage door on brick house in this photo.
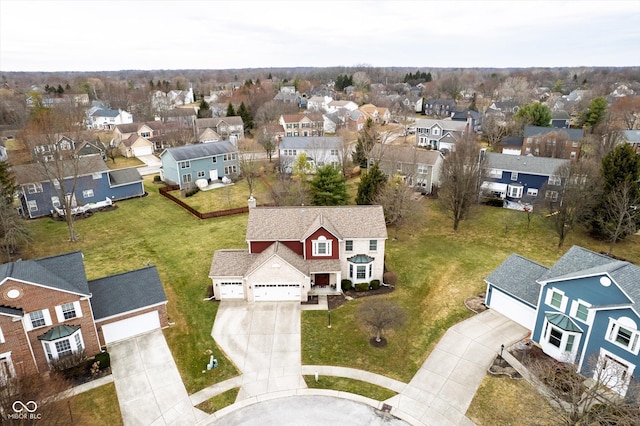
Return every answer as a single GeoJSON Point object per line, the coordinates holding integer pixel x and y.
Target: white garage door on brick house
{"type": "Point", "coordinates": [130, 327]}
{"type": "Point", "coordinates": [276, 292]}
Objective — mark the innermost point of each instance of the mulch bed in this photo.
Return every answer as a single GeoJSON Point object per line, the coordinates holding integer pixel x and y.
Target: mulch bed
{"type": "Point", "coordinates": [381, 344]}
{"type": "Point", "coordinates": [502, 367]}
{"type": "Point", "coordinates": [476, 304]}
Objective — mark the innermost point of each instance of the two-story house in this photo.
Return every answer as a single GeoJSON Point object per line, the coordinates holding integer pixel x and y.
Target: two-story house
{"type": "Point", "coordinates": [230, 128]}
{"type": "Point", "coordinates": [304, 125]}
{"type": "Point", "coordinates": [294, 251]}
{"type": "Point", "coordinates": [552, 142]}
{"type": "Point", "coordinates": [108, 119]}
{"type": "Point", "coordinates": [54, 147]}
{"type": "Point", "coordinates": [183, 165]}
{"type": "Point", "coordinates": [88, 177]}
{"type": "Point", "coordinates": [319, 150]}
{"type": "Point", "coordinates": [583, 310]}
{"type": "Point", "coordinates": [318, 103]}
{"type": "Point", "coordinates": [519, 180]}
{"type": "Point", "coordinates": [49, 310]}
{"type": "Point", "coordinates": [437, 107]}
{"type": "Point", "coordinates": [420, 168]}
{"type": "Point", "coordinates": [378, 115]}
{"type": "Point", "coordinates": [334, 106]}
{"type": "Point", "coordinates": [439, 134]}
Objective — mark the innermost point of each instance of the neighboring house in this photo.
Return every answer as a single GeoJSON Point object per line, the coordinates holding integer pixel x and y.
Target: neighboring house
{"type": "Point", "coordinates": [95, 182]}
{"type": "Point", "coordinates": [156, 132]}
{"type": "Point", "coordinates": [560, 119]}
{"type": "Point", "coordinates": [185, 116]}
{"type": "Point", "coordinates": [378, 115]}
{"type": "Point", "coordinates": [135, 146]}
{"type": "Point", "coordinates": [64, 147]}
{"type": "Point", "coordinates": [511, 145]}
{"type": "Point", "coordinates": [91, 149]}
{"type": "Point", "coordinates": [438, 107]}
{"type": "Point", "coordinates": [439, 134]}
{"type": "Point", "coordinates": [507, 107]}
{"type": "Point", "coordinates": [356, 120]}
{"type": "Point", "coordinates": [318, 103]}
{"type": "Point", "coordinates": [108, 119]}
{"type": "Point", "coordinates": [632, 137]}
{"type": "Point", "coordinates": [304, 125]}
{"type": "Point", "coordinates": [552, 142]}
{"type": "Point", "coordinates": [334, 106]}
{"type": "Point", "coordinates": [227, 127]}
{"type": "Point", "coordinates": [471, 117]}
{"type": "Point", "coordinates": [519, 180]}
{"type": "Point", "coordinates": [295, 251]}
{"type": "Point", "coordinates": [420, 168]}
{"type": "Point", "coordinates": [48, 310]}
{"type": "Point", "coordinates": [183, 165]}
{"type": "Point", "coordinates": [320, 151]}
{"type": "Point", "coordinates": [331, 122]}
{"type": "Point", "coordinates": [584, 310]}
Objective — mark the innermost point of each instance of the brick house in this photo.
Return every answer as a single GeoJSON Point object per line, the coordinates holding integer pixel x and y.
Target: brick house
{"type": "Point", "coordinates": [49, 310]}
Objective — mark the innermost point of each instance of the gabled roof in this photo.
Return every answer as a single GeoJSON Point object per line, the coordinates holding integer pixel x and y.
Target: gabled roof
{"type": "Point", "coordinates": [35, 172]}
{"type": "Point", "coordinates": [292, 223]}
{"type": "Point", "coordinates": [126, 292]}
{"type": "Point", "coordinates": [296, 118]}
{"type": "Point", "coordinates": [283, 252]}
{"type": "Point", "coordinates": [230, 262]}
{"type": "Point", "coordinates": [572, 134]}
{"type": "Point", "coordinates": [63, 272]}
{"type": "Point", "coordinates": [449, 125]}
{"type": "Point", "coordinates": [234, 120]}
{"type": "Point", "coordinates": [132, 139]}
{"type": "Point", "coordinates": [405, 154]}
{"type": "Point", "coordinates": [512, 141]}
{"type": "Point", "coordinates": [90, 148]}
{"type": "Point", "coordinates": [311, 143]}
{"type": "Point", "coordinates": [517, 276]}
{"type": "Point", "coordinates": [124, 176]}
{"type": "Point", "coordinates": [112, 113]}
{"type": "Point", "coordinates": [200, 150]}
{"type": "Point", "coordinates": [632, 136]}
{"type": "Point", "coordinates": [134, 127]}
{"type": "Point", "coordinates": [523, 164]}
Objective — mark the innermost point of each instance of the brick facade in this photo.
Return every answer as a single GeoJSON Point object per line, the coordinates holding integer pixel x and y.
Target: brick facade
{"type": "Point", "coordinates": [162, 314]}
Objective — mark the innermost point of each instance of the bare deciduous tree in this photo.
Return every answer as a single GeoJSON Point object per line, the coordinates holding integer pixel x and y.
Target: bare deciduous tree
{"type": "Point", "coordinates": [379, 315]}
{"type": "Point", "coordinates": [396, 199]}
{"type": "Point", "coordinates": [622, 211]}
{"type": "Point", "coordinates": [249, 168]}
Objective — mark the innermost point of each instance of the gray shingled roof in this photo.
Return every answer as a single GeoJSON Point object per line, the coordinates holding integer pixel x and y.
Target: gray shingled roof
{"type": "Point", "coordinates": [405, 154]}
{"type": "Point", "coordinates": [285, 253]}
{"type": "Point", "coordinates": [517, 276]}
{"type": "Point", "coordinates": [230, 263]}
{"type": "Point", "coordinates": [310, 143]}
{"type": "Point", "coordinates": [573, 134]}
{"type": "Point", "coordinates": [126, 292]}
{"type": "Point", "coordinates": [292, 223]}
{"type": "Point", "coordinates": [631, 136]}
{"type": "Point", "coordinates": [64, 272]}
{"type": "Point", "coordinates": [8, 310]}
{"type": "Point", "coordinates": [106, 113]}
{"type": "Point", "coordinates": [234, 120]}
{"type": "Point", "coordinates": [512, 141]}
{"type": "Point", "coordinates": [523, 164]}
{"type": "Point", "coordinates": [124, 176]}
{"type": "Point", "coordinates": [35, 172]}
{"type": "Point", "coordinates": [201, 150]}
{"type": "Point", "coordinates": [447, 125]}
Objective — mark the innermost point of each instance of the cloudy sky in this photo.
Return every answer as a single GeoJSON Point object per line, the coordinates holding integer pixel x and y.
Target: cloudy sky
{"type": "Point", "coordinates": [96, 35]}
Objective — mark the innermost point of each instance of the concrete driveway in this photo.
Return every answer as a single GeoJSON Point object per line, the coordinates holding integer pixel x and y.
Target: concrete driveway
{"type": "Point", "coordinates": [153, 164]}
{"type": "Point", "coordinates": [149, 387]}
{"type": "Point", "coordinates": [263, 341]}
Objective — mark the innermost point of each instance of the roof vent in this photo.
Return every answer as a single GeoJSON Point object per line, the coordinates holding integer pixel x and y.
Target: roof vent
{"type": "Point", "coordinates": [605, 281]}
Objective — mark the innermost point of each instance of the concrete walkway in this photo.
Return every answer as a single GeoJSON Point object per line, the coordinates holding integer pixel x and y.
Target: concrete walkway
{"type": "Point", "coordinates": [150, 389]}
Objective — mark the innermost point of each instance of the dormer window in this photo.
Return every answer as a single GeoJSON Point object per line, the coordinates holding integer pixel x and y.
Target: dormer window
{"type": "Point", "coordinates": [623, 332]}
{"type": "Point", "coordinates": [322, 247]}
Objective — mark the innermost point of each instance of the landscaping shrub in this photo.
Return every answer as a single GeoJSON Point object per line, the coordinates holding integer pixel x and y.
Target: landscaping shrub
{"type": "Point", "coordinates": [192, 192]}
{"type": "Point", "coordinates": [156, 178]}
{"type": "Point", "coordinates": [362, 287]}
{"type": "Point", "coordinates": [346, 285]}
{"type": "Point", "coordinates": [375, 284]}
{"type": "Point", "coordinates": [104, 358]}
{"type": "Point", "coordinates": [390, 278]}
{"type": "Point", "coordinates": [495, 202]}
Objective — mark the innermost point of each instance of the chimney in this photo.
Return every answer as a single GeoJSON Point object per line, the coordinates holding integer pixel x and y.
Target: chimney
{"type": "Point", "coordinates": [252, 202]}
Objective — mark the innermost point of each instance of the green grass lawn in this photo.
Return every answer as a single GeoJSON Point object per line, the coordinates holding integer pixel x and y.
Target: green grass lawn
{"type": "Point", "coordinates": [123, 162]}
{"type": "Point", "coordinates": [218, 402]}
{"type": "Point", "coordinates": [102, 401]}
{"type": "Point", "coordinates": [344, 384]}
{"type": "Point", "coordinates": [437, 269]}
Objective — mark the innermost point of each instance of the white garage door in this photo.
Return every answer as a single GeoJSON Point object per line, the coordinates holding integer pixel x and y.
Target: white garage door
{"type": "Point", "coordinates": [231, 290]}
{"type": "Point", "coordinates": [130, 327]}
{"type": "Point", "coordinates": [145, 150]}
{"type": "Point", "coordinates": [512, 308]}
{"type": "Point", "coordinates": [276, 292]}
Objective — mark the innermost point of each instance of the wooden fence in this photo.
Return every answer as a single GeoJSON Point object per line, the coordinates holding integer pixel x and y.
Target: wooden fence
{"type": "Point", "coordinates": [208, 215]}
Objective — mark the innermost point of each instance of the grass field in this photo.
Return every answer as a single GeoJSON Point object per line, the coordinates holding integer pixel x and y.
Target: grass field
{"type": "Point", "coordinates": [437, 269]}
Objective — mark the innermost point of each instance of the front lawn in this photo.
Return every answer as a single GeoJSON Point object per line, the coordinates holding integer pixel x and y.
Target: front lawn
{"type": "Point", "coordinates": [99, 403]}
{"type": "Point", "coordinates": [344, 384]}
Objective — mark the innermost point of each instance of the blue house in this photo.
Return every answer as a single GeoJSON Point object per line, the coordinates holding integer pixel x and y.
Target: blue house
{"type": "Point", "coordinates": [585, 309]}
{"type": "Point", "coordinates": [519, 179]}
{"type": "Point", "coordinates": [41, 191]}
{"type": "Point", "coordinates": [183, 165]}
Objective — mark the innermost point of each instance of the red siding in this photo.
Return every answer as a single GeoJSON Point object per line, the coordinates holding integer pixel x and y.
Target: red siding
{"type": "Point", "coordinates": [335, 246]}
{"type": "Point", "coordinates": [295, 246]}
{"type": "Point", "coordinates": [260, 246]}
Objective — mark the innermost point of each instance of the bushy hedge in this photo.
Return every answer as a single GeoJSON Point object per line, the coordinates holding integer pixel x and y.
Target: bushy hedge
{"type": "Point", "coordinates": [495, 202]}
{"type": "Point", "coordinates": [362, 287]}
{"type": "Point", "coordinates": [346, 285]}
{"type": "Point", "coordinates": [104, 358]}
{"type": "Point", "coordinates": [375, 284]}
{"type": "Point", "coordinates": [192, 192]}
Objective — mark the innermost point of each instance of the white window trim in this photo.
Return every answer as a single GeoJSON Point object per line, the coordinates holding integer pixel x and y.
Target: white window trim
{"type": "Point", "coordinates": [32, 205]}
{"type": "Point", "coordinates": [376, 245]}
{"type": "Point", "coordinates": [574, 311]}
{"type": "Point", "coordinates": [60, 313]}
{"type": "Point", "coordinates": [326, 242]}
{"type": "Point", "coordinates": [1, 336]}
{"type": "Point", "coordinates": [72, 342]}
{"type": "Point", "coordinates": [87, 193]}
{"type": "Point", "coordinates": [560, 353]}
{"type": "Point", "coordinates": [345, 245]}
{"type": "Point", "coordinates": [533, 192]}
{"type": "Point", "coordinates": [563, 303]}
{"type": "Point", "coordinates": [45, 314]}
{"type": "Point", "coordinates": [514, 175]}
{"type": "Point", "coordinates": [612, 332]}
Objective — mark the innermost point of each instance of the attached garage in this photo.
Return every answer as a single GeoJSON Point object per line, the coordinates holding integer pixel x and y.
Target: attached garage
{"type": "Point", "coordinates": [276, 292]}
{"type": "Point", "coordinates": [231, 290]}
{"type": "Point", "coordinates": [511, 307]}
{"type": "Point", "coordinates": [142, 150]}
{"type": "Point", "coordinates": [130, 327]}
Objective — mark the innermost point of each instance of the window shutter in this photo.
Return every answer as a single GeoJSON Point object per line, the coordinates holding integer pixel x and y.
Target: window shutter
{"type": "Point", "coordinates": [76, 306]}
{"type": "Point", "coordinates": [59, 314]}
{"type": "Point", "coordinates": [547, 297]}
{"type": "Point", "coordinates": [47, 317]}
{"type": "Point", "coordinates": [1, 336]}
{"type": "Point", "coordinates": [26, 320]}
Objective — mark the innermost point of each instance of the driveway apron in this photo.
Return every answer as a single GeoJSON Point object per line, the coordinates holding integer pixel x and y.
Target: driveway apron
{"type": "Point", "coordinates": [263, 341]}
{"type": "Point", "coordinates": [150, 389]}
{"type": "Point", "coordinates": [443, 388]}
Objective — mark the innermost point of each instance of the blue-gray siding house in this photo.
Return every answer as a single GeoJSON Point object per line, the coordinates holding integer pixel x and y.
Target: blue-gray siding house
{"type": "Point", "coordinates": [40, 191]}
{"type": "Point", "coordinates": [586, 311]}
{"type": "Point", "coordinates": [183, 165]}
{"type": "Point", "coordinates": [519, 179]}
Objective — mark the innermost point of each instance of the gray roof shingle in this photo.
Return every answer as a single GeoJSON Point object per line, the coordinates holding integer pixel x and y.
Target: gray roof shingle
{"type": "Point", "coordinates": [573, 134]}
{"type": "Point", "coordinates": [124, 176]}
{"type": "Point", "coordinates": [201, 150]}
{"type": "Point", "coordinates": [35, 172]}
{"type": "Point", "coordinates": [310, 143]}
{"type": "Point", "coordinates": [523, 164]}
{"type": "Point", "coordinates": [126, 292]}
{"type": "Point", "coordinates": [517, 276]}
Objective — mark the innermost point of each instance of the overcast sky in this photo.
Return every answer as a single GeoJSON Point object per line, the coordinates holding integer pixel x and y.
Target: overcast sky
{"type": "Point", "coordinates": [115, 35]}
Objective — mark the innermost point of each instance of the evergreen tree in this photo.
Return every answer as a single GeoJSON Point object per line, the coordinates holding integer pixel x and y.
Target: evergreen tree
{"type": "Point", "coordinates": [328, 187]}
{"type": "Point", "coordinates": [371, 182]}
{"type": "Point", "coordinates": [8, 186]}
{"type": "Point", "coordinates": [247, 118]}
{"type": "Point", "coordinates": [595, 114]}
{"type": "Point", "coordinates": [204, 111]}
{"type": "Point", "coordinates": [536, 114]}
{"type": "Point", "coordinates": [230, 111]}
{"type": "Point", "coordinates": [270, 77]}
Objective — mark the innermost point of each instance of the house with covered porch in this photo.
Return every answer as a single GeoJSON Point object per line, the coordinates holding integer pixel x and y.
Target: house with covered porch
{"type": "Point", "coordinates": [296, 252]}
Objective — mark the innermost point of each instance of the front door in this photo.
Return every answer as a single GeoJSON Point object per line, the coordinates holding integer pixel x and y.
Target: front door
{"type": "Point", "coordinates": [213, 175]}
{"type": "Point", "coordinates": [322, 280]}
